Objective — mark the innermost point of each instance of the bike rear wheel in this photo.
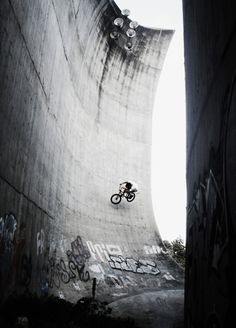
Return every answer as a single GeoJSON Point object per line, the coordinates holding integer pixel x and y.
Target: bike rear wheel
{"type": "Point", "coordinates": [130, 197]}
{"type": "Point", "coordinates": [116, 198]}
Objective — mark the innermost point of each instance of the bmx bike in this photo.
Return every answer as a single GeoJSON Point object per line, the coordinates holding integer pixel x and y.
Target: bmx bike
{"type": "Point", "coordinates": [116, 198]}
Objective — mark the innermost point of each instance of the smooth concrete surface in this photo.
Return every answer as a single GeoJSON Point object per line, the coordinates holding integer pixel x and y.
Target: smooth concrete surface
{"type": "Point", "coordinates": [142, 308]}
{"type": "Point", "coordinates": [76, 115]}
{"type": "Point", "coordinates": [210, 52]}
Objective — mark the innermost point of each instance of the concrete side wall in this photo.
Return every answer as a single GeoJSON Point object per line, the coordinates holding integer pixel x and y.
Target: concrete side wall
{"type": "Point", "coordinates": [210, 52]}
{"type": "Point", "coordinates": [76, 111]}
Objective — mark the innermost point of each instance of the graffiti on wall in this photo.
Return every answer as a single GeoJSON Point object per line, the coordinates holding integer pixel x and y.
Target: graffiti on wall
{"type": "Point", "coordinates": [78, 253]}
{"type": "Point", "coordinates": [113, 255]}
{"type": "Point", "coordinates": [120, 281]}
{"type": "Point", "coordinates": [154, 249]}
{"type": "Point", "coordinates": [57, 271]}
{"type": "Point", "coordinates": [209, 208]}
{"type": "Point", "coordinates": [207, 242]}
{"type": "Point", "coordinates": [101, 252]}
{"type": "Point", "coordinates": [54, 270]}
{"type": "Point", "coordinates": [131, 265]}
{"type": "Point", "coordinates": [8, 225]}
{"type": "Point", "coordinates": [40, 242]}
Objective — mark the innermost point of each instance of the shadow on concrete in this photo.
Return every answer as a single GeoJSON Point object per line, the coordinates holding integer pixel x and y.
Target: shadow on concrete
{"type": "Point", "coordinates": [31, 311]}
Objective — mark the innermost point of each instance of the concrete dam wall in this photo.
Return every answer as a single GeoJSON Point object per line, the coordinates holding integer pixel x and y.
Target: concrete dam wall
{"type": "Point", "coordinates": [76, 107]}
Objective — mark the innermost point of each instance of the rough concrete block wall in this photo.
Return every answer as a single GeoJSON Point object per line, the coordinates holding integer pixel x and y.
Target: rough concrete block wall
{"type": "Point", "coordinates": [76, 112]}
{"type": "Point", "coordinates": [210, 52]}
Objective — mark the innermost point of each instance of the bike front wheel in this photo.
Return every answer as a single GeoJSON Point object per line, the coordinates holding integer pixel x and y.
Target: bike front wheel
{"type": "Point", "coordinates": [130, 197]}
{"type": "Point", "coordinates": [115, 199]}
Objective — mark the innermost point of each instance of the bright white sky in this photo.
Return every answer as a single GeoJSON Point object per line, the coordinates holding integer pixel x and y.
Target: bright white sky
{"type": "Point", "coordinates": [168, 157]}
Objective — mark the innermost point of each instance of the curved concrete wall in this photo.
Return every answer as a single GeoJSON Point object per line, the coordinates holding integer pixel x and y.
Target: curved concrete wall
{"type": "Point", "coordinates": [76, 112]}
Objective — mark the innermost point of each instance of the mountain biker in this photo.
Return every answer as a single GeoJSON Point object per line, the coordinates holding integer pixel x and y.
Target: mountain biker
{"type": "Point", "coordinates": [127, 189]}
{"type": "Point", "coordinates": [128, 186]}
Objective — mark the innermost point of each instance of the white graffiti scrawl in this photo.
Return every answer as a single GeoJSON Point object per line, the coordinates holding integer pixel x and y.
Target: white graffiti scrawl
{"type": "Point", "coordinates": [154, 249]}
{"type": "Point", "coordinates": [40, 242]}
{"type": "Point", "coordinates": [131, 265]}
{"type": "Point", "coordinates": [101, 252]}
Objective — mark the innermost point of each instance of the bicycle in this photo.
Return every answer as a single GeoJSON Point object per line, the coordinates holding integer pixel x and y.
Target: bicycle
{"type": "Point", "coordinates": [116, 198]}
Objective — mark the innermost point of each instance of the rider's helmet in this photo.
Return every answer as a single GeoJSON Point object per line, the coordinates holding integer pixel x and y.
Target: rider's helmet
{"type": "Point", "coordinates": [128, 185]}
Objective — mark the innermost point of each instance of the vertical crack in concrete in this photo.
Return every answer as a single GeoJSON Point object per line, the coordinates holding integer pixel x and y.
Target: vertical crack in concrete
{"type": "Point", "coordinates": [103, 77]}
{"type": "Point", "coordinates": [59, 28]}
{"type": "Point", "coordinates": [77, 11]}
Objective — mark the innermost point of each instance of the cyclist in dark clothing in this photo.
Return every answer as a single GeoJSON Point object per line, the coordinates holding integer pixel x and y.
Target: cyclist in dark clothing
{"type": "Point", "coordinates": [128, 186]}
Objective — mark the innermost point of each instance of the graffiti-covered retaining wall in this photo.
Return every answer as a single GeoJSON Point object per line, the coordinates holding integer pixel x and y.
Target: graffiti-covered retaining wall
{"type": "Point", "coordinates": [210, 52]}
{"type": "Point", "coordinates": [76, 110]}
